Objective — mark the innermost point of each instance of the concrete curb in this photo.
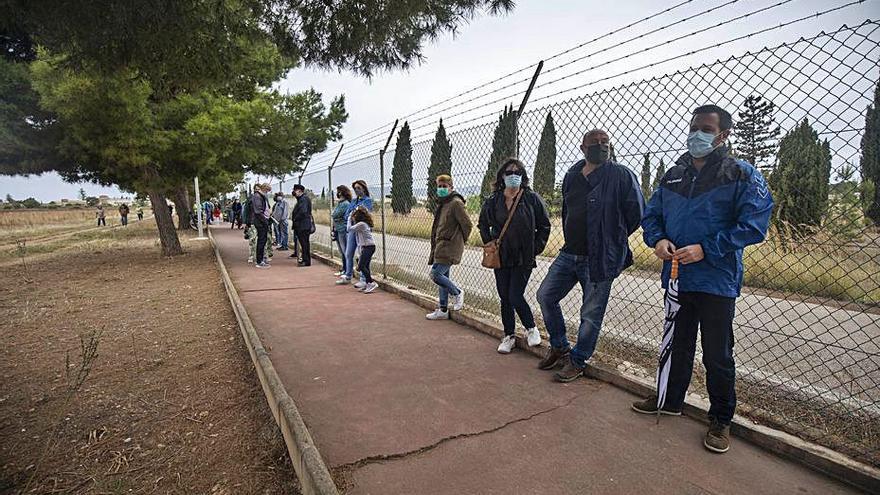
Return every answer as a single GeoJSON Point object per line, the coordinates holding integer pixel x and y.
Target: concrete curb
{"type": "Point", "coordinates": [314, 477]}
{"type": "Point", "coordinates": [814, 456]}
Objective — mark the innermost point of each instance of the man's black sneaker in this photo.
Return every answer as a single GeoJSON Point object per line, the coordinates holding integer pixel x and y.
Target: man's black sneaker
{"type": "Point", "coordinates": [649, 406]}
{"type": "Point", "coordinates": [569, 372]}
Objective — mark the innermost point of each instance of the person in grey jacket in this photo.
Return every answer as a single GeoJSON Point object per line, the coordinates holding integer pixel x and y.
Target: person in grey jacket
{"type": "Point", "coordinates": [280, 212]}
{"type": "Point", "coordinates": [363, 230]}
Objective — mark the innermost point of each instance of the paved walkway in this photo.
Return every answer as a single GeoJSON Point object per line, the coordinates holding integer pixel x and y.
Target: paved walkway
{"type": "Point", "coordinates": [400, 405]}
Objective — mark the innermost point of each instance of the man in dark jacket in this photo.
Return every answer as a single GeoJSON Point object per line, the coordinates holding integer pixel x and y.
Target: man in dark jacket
{"type": "Point", "coordinates": [708, 207]}
{"type": "Point", "coordinates": [602, 204]}
{"type": "Point", "coordinates": [236, 210]}
{"type": "Point", "coordinates": [260, 215]}
{"type": "Point", "coordinates": [303, 223]}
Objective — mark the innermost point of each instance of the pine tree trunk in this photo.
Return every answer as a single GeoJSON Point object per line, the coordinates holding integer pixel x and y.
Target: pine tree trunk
{"type": "Point", "coordinates": [182, 205]}
{"type": "Point", "coordinates": [165, 224]}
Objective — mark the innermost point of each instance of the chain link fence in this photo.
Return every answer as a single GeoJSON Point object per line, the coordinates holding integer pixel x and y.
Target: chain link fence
{"type": "Point", "coordinates": [808, 323]}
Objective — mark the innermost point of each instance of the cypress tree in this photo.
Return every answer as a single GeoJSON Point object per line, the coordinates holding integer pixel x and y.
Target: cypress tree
{"type": "Point", "coordinates": [401, 173]}
{"type": "Point", "coordinates": [503, 147]}
{"type": "Point", "coordinates": [800, 182]}
{"type": "Point", "coordinates": [323, 193]}
{"type": "Point", "coordinates": [545, 163]}
{"type": "Point", "coordinates": [661, 171]}
{"type": "Point", "coordinates": [441, 163]}
{"type": "Point", "coordinates": [756, 133]}
{"type": "Point", "coordinates": [869, 162]}
{"type": "Point", "coordinates": [646, 176]}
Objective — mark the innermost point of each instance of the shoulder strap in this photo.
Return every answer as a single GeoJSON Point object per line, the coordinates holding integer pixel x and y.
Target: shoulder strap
{"type": "Point", "coordinates": [510, 215]}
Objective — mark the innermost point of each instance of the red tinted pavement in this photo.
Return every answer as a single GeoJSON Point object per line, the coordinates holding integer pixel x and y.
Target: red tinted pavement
{"type": "Point", "coordinates": [408, 406]}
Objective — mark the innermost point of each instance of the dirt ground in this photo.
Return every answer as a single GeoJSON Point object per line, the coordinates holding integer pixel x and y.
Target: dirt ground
{"type": "Point", "coordinates": [125, 372]}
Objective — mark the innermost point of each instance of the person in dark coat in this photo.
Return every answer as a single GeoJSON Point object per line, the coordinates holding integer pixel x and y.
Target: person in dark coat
{"type": "Point", "coordinates": [602, 206]}
{"type": "Point", "coordinates": [525, 238]}
{"type": "Point", "coordinates": [236, 214]}
{"type": "Point", "coordinates": [303, 223]}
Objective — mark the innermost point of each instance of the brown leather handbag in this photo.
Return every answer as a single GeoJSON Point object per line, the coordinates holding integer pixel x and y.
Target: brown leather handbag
{"type": "Point", "coordinates": [491, 253]}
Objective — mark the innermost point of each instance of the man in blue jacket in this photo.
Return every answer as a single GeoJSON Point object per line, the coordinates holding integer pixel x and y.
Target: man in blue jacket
{"type": "Point", "coordinates": [602, 205]}
{"type": "Point", "coordinates": [707, 208]}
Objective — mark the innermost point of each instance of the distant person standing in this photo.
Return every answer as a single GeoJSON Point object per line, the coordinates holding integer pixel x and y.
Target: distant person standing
{"type": "Point", "coordinates": [123, 214]}
{"type": "Point", "coordinates": [208, 208]}
{"type": "Point", "coordinates": [280, 212]}
{"type": "Point", "coordinates": [449, 232]}
{"type": "Point", "coordinates": [171, 210]}
{"type": "Point", "coordinates": [236, 214]}
{"type": "Point", "coordinates": [140, 213]}
{"type": "Point", "coordinates": [101, 215]}
{"type": "Point", "coordinates": [303, 223]}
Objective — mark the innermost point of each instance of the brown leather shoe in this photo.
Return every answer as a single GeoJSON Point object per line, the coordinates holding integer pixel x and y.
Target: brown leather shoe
{"type": "Point", "coordinates": [569, 372]}
{"type": "Point", "coordinates": [718, 437]}
{"type": "Point", "coordinates": [553, 358]}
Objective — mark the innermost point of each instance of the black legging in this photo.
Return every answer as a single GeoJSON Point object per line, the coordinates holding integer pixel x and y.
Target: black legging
{"type": "Point", "coordinates": [262, 226]}
{"type": "Point", "coordinates": [364, 262]}
{"type": "Point", "coordinates": [511, 285]}
{"type": "Point", "coordinates": [305, 246]}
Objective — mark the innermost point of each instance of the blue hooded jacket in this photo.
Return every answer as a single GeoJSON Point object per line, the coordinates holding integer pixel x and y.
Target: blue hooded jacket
{"type": "Point", "coordinates": [615, 206]}
{"type": "Point", "coordinates": [724, 207]}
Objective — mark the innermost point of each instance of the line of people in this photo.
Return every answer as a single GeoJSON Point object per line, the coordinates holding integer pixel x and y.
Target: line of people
{"type": "Point", "coordinates": [708, 207]}
{"type": "Point", "coordinates": [267, 225]}
{"type": "Point", "coordinates": [124, 211]}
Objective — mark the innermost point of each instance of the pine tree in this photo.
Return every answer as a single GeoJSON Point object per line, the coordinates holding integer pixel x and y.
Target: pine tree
{"type": "Point", "coordinates": [661, 171]}
{"type": "Point", "coordinates": [545, 163]}
{"type": "Point", "coordinates": [757, 133]}
{"type": "Point", "coordinates": [869, 162]}
{"type": "Point", "coordinates": [82, 194]}
{"type": "Point", "coordinates": [800, 182]}
{"type": "Point", "coordinates": [646, 176]}
{"type": "Point", "coordinates": [503, 147]}
{"type": "Point", "coordinates": [441, 163]}
{"type": "Point", "coordinates": [401, 173]}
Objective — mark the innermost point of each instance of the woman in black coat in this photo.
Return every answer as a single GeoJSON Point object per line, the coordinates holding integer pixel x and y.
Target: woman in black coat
{"type": "Point", "coordinates": [526, 237]}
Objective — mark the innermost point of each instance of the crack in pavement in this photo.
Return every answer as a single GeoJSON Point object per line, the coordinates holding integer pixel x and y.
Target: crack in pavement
{"type": "Point", "coordinates": [401, 455]}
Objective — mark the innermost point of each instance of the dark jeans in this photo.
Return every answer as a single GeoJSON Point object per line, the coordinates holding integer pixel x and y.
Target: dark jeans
{"type": "Point", "coordinates": [305, 246]}
{"type": "Point", "coordinates": [102, 221]}
{"type": "Point", "coordinates": [140, 216]}
{"type": "Point", "coordinates": [511, 285]}
{"type": "Point", "coordinates": [714, 317]}
{"type": "Point", "coordinates": [262, 226]}
{"type": "Point", "coordinates": [566, 271]}
{"type": "Point", "coordinates": [124, 219]}
{"type": "Point", "coordinates": [367, 253]}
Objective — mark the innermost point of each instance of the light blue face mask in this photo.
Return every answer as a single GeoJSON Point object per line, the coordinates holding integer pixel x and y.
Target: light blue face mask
{"type": "Point", "coordinates": [512, 181]}
{"type": "Point", "coordinates": [442, 192]}
{"type": "Point", "coordinates": [700, 143]}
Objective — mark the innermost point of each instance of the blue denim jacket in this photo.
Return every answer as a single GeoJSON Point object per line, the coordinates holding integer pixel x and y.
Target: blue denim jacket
{"type": "Point", "coordinates": [615, 207]}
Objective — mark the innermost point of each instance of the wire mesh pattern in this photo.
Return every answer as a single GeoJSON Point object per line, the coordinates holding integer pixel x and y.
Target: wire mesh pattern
{"type": "Point", "coordinates": [808, 323]}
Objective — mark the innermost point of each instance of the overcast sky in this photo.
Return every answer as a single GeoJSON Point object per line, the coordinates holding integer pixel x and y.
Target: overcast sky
{"type": "Point", "coordinates": [489, 47]}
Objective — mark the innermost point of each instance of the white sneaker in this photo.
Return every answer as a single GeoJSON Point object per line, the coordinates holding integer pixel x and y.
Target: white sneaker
{"type": "Point", "coordinates": [343, 281]}
{"type": "Point", "coordinates": [262, 265]}
{"type": "Point", "coordinates": [507, 344]}
{"type": "Point", "coordinates": [459, 301]}
{"type": "Point", "coordinates": [438, 314]}
{"type": "Point", "coordinates": [370, 287]}
{"type": "Point", "coordinates": [250, 260]}
{"type": "Point", "coordinates": [360, 285]}
{"type": "Point", "coordinates": [533, 336]}
{"type": "Point", "coordinates": [338, 274]}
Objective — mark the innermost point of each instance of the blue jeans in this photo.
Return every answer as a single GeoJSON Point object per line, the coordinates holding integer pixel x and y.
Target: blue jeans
{"type": "Point", "coordinates": [350, 249]}
{"type": "Point", "coordinates": [282, 234]}
{"type": "Point", "coordinates": [341, 243]}
{"type": "Point", "coordinates": [440, 276]}
{"type": "Point", "coordinates": [566, 271]}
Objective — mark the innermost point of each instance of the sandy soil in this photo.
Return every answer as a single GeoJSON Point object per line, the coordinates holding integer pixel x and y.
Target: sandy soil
{"type": "Point", "coordinates": [169, 403]}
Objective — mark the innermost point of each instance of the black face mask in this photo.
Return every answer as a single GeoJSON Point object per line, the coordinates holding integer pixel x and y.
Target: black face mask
{"type": "Point", "coordinates": [598, 153]}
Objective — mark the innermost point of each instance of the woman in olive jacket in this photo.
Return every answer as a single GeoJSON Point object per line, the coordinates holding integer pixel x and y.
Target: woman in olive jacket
{"type": "Point", "coordinates": [526, 237]}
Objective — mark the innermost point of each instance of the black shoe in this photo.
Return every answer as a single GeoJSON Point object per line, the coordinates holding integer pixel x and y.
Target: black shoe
{"type": "Point", "coordinates": [282, 249]}
{"type": "Point", "coordinates": [293, 255]}
{"type": "Point", "coordinates": [649, 406]}
{"type": "Point", "coordinates": [553, 358]}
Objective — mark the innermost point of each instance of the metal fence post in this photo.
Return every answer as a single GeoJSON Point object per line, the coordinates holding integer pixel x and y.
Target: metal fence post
{"type": "Point", "coordinates": [198, 206]}
{"type": "Point", "coordinates": [522, 105]}
{"type": "Point", "coordinates": [332, 196]}
{"type": "Point", "coordinates": [382, 196]}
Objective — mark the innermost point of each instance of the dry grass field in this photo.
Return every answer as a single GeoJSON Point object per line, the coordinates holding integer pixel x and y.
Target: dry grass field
{"type": "Point", "coordinates": [124, 372]}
